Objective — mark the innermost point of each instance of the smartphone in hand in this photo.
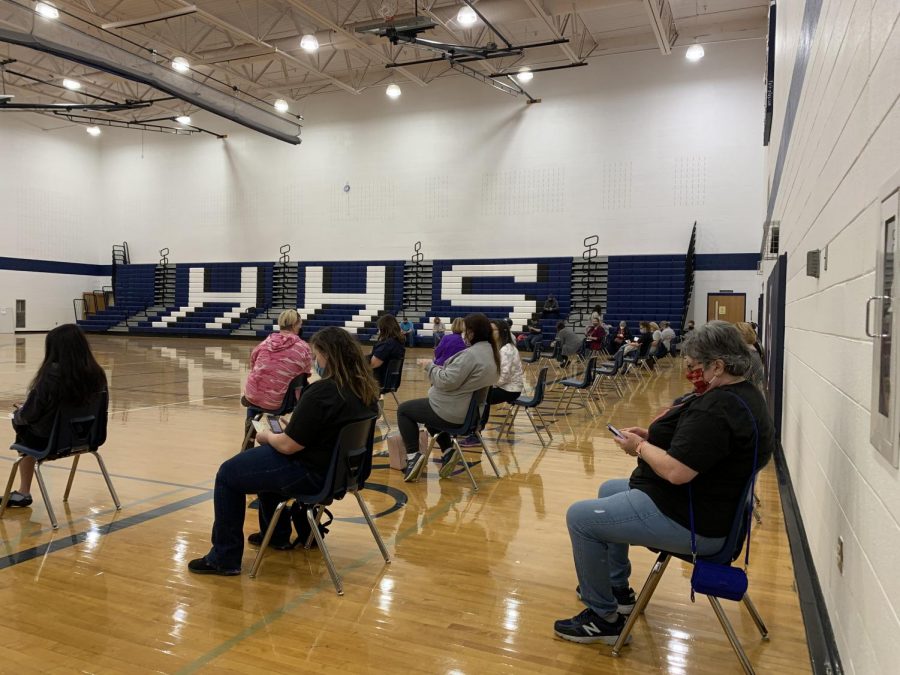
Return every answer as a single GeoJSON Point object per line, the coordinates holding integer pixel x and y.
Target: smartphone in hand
{"type": "Point", "coordinates": [615, 432]}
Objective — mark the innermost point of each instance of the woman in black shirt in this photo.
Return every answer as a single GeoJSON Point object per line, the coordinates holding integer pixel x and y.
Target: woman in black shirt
{"type": "Point", "coordinates": [296, 460]}
{"type": "Point", "coordinates": [707, 440]}
{"type": "Point", "coordinates": [69, 375]}
{"type": "Point", "coordinates": [389, 347]}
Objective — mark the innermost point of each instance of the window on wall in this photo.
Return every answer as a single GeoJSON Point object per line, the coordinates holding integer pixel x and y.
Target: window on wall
{"type": "Point", "coordinates": [20, 314]}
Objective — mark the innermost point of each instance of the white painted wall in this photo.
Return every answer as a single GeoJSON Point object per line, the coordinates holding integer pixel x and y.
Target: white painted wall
{"type": "Point", "coordinates": [48, 297]}
{"type": "Point", "coordinates": [734, 281]}
{"type": "Point", "coordinates": [633, 147]}
{"type": "Point", "coordinates": [844, 146]}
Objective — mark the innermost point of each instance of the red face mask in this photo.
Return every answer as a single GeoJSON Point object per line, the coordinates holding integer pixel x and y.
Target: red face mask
{"type": "Point", "coordinates": [695, 377]}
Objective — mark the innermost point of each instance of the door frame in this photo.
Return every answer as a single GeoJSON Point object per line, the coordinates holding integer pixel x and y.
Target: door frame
{"type": "Point", "coordinates": [709, 293]}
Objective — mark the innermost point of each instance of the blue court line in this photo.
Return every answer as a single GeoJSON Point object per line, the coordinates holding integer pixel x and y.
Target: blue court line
{"type": "Point", "coordinates": [301, 599]}
{"type": "Point", "coordinates": [80, 537]}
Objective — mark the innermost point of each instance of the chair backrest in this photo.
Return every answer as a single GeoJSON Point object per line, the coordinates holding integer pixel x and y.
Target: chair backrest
{"type": "Point", "coordinates": [473, 415]}
{"type": "Point", "coordinates": [538, 397]}
{"type": "Point", "coordinates": [393, 374]}
{"type": "Point", "coordinates": [351, 463]}
{"type": "Point", "coordinates": [78, 429]}
{"type": "Point", "coordinates": [536, 356]}
{"type": "Point", "coordinates": [737, 536]}
{"type": "Point", "coordinates": [589, 371]}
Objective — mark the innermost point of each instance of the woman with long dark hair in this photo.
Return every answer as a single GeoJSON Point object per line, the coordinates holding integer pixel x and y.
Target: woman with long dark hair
{"type": "Point", "coordinates": [69, 375]}
{"type": "Point", "coordinates": [452, 385]}
{"type": "Point", "coordinates": [388, 347]}
{"type": "Point", "coordinates": [296, 460]}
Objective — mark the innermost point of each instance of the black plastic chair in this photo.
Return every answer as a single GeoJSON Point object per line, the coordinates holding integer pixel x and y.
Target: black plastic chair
{"type": "Point", "coordinates": [534, 358]}
{"type": "Point", "coordinates": [529, 404]}
{"type": "Point", "coordinates": [471, 426]}
{"type": "Point", "coordinates": [350, 466]}
{"type": "Point", "coordinates": [582, 386]}
{"type": "Point", "coordinates": [393, 376]}
{"type": "Point", "coordinates": [288, 403]}
{"type": "Point", "coordinates": [729, 552]}
{"type": "Point", "coordinates": [76, 430]}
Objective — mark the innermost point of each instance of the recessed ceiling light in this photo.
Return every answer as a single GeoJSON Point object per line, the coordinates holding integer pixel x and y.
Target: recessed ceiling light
{"type": "Point", "coordinates": [694, 53]}
{"type": "Point", "coordinates": [71, 85]}
{"type": "Point", "coordinates": [466, 16]}
{"type": "Point", "coordinates": [93, 131]}
{"type": "Point", "coordinates": [309, 43]}
{"type": "Point", "coordinates": [183, 119]}
{"type": "Point", "coordinates": [181, 64]}
{"type": "Point", "coordinates": [393, 91]}
{"type": "Point", "coordinates": [46, 10]}
{"type": "Point", "coordinates": [281, 105]}
{"type": "Point", "coordinates": [524, 75]}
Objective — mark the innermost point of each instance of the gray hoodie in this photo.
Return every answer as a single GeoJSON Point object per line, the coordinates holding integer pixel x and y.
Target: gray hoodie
{"type": "Point", "coordinates": [452, 384]}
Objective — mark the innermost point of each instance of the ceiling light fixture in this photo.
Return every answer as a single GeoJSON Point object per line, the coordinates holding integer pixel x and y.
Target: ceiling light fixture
{"type": "Point", "coordinates": [71, 85]}
{"type": "Point", "coordinates": [694, 53]}
{"type": "Point", "coordinates": [93, 131]}
{"type": "Point", "coordinates": [466, 16]}
{"type": "Point", "coordinates": [181, 64]}
{"type": "Point", "coordinates": [393, 91]}
{"type": "Point", "coordinates": [281, 105]}
{"type": "Point", "coordinates": [46, 10]}
{"type": "Point", "coordinates": [309, 43]}
{"type": "Point", "coordinates": [184, 120]}
{"type": "Point", "coordinates": [524, 75]}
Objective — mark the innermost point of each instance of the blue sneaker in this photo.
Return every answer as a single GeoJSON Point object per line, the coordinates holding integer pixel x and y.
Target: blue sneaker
{"type": "Point", "coordinates": [447, 463]}
{"type": "Point", "coordinates": [414, 467]}
{"type": "Point", "coordinates": [588, 627]}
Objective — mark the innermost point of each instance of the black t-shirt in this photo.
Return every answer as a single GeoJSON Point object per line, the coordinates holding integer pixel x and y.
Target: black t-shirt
{"type": "Point", "coordinates": [644, 342]}
{"type": "Point", "coordinates": [318, 418]}
{"type": "Point", "coordinates": [386, 350]}
{"type": "Point", "coordinates": [714, 435]}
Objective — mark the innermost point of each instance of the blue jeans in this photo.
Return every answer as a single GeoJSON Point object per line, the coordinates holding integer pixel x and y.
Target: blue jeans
{"type": "Point", "coordinates": [261, 470]}
{"type": "Point", "coordinates": [601, 531]}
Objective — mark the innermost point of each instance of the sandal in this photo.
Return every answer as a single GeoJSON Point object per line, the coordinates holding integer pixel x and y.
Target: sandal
{"type": "Point", "coordinates": [18, 500]}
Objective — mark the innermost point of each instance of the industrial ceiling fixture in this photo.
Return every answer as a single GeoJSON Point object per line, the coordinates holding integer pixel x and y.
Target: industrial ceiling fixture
{"type": "Point", "coordinates": [525, 75]}
{"type": "Point", "coordinates": [184, 120]}
{"type": "Point", "coordinates": [71, 85]}
{"type": "Point", "coordinates": [393, 91]}
{"type": "Point", "coordinates": [46, 10]}
{"type": "Point", "coordinates": [309, 43]}
{"type": "Point", "coordinates": [694, 53]}
{"type": "Point", "coordinates": [406, 30]}
{"type": "Point", "coordinates": [180, 64]}
{"type": "Point", "coordinates": [93, 130]}
{"type": "Point", "coordinates": [281, 105]}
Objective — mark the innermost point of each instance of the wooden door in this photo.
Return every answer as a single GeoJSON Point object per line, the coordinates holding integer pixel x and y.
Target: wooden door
{"type": "Point", "coordinates": [730, 307]}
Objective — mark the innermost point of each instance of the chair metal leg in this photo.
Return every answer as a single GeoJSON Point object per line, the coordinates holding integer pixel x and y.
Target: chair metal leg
{"type": "Point", "coordinates": [112, 490]}
{"type": "Point", "coordinates": [395, 399]}
{"type": "Point", "coordinates": [424, 460]}
{"type": "Point", "coordinates": [505, 421]}
{"type": "Point", "coordinates": [43, 487]}
{"type": "Point", "coordinates": [643, 599]}
{"type": "Point", "coordinates": [487, 453]}
{"type": "Point", "coordinates": [458, 454]}
{"type": "Point", "coordinates": [382, 415]}
{"type": "Point", "coordinates": [543, 423]}
{"type": "Point", "coordinates": [757, 619]}
{"type": "Point", "coordinates": [329, 563]}
{"type": "Point", "coordinates": [537, 431]}
{"type": "Point", "coordinates": [71, 477]}
{"type": "Point", "coordinates": [267, 537]}
{"type": "Point", "coordinates": [371, 524]}
{"type": "Point", "coordinates": [249, 436]}
{"type": "Point", "coordinates": [9, 482]}
{"type": "Point", "coordinates": [731, 635]}
{"type": "Point", "coordinates": [514, 410]}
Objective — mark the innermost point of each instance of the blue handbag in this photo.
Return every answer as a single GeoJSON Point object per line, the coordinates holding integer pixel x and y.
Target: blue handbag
{"type": "Point", "coordinates": [723, 581]}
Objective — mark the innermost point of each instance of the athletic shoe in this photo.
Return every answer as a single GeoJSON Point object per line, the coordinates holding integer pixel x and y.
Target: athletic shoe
{"type": "Point", "coordinates": [447, 463]}
{"type": "Point", "coordinates": [18, 500]}
{"type": "Point", "coordinates": [589, 627]}
{"type": "Point", "coordinates": [256, 539]}
{"type": "Point", "coordinates": [413, 466]}
{"type": "Point", "coordinates": [470, 442]}
{"type": "Point", "coordinates": [624, 596]}
{"type": "Point", "coordinates": [200, 566]}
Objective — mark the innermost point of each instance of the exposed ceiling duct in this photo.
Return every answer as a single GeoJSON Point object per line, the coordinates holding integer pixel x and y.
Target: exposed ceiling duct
{"type": "Point", "coordinates": [20, 25]}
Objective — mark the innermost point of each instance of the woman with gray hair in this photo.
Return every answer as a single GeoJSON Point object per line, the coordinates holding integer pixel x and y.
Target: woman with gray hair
{"type": "Point", "coordinates": [707, 441]}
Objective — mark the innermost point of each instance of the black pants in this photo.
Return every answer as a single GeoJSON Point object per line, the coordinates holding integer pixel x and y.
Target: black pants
{"type": "Point", "coordinates": [497, 395]}
{"type": "Point", "coordinates": [418, 411]}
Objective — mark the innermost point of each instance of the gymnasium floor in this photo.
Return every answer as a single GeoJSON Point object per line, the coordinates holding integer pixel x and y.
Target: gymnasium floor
{"type": "Point", "coordinates": [476, 581]}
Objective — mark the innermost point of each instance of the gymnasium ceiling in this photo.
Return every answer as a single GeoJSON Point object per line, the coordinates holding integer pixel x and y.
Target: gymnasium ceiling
{"type": "Point", "coordinates": [254, 45]}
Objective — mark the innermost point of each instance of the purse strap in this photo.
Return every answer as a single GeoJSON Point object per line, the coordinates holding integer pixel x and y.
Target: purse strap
{"type": "Point", "coordinates": [752, 489]}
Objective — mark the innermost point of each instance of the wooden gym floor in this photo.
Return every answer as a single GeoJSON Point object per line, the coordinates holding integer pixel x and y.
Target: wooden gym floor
{"type": "Point", "coordinates": [476, 581]}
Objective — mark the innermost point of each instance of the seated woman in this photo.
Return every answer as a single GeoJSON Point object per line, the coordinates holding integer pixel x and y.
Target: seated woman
{"type": "Point", "coordinates": [709, 441]}
{"type": "Point", "coordinates": [276, 361]}
{"type": "Point", "coordinates": [595, 335]}
{"type": "Point", "coordinates": [452, 385]}
{"type": "Point", "coordinates": [69, 375]}
{"type": "Point", "coordinates": [294, 461]}
{"type": "Point", "coordinates": [512, 378]}
{"type": "Point", "coordinates": [438, 330]}
{"type": "Point", "coordinates": [452, 343]}
{"type": "Point", "coordinates": [388, 347]}
{"type": "Point", "coordinates": [619, 338]}
{"type": "Point", "coordinates": [569, 342]}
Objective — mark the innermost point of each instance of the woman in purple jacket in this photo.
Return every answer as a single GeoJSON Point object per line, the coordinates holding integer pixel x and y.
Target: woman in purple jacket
{"type": "Point", "coordinates": [452, 343]}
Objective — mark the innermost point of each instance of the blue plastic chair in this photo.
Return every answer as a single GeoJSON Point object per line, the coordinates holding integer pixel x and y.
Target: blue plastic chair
{"type": "Point", "coordinates": [288, 403]}
{"type": "Point", "coordinates": [582, 386]}
{"type": "Point", "coordinates": [351, 465]}
{"type": "Point", "coordinates": [529, 404]}
{"type": "Point", "coordinates": [730, 551]}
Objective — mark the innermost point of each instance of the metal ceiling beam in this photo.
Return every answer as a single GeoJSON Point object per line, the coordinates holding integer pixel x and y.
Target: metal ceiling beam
{"type": "Point", "coordinates": [539, 12]}
{"type": "Point", "coordinates": [181, 11]}
{"type": "Point", "coordinates": [323, 20]}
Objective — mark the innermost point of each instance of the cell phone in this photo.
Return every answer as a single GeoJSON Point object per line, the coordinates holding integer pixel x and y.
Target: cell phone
{"type": "Point", "coordinates": [275, 425]}
{"type": "Point", "coordinates": [637, 339]}
{"type": "Point", "coordinates": [615, 432]}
